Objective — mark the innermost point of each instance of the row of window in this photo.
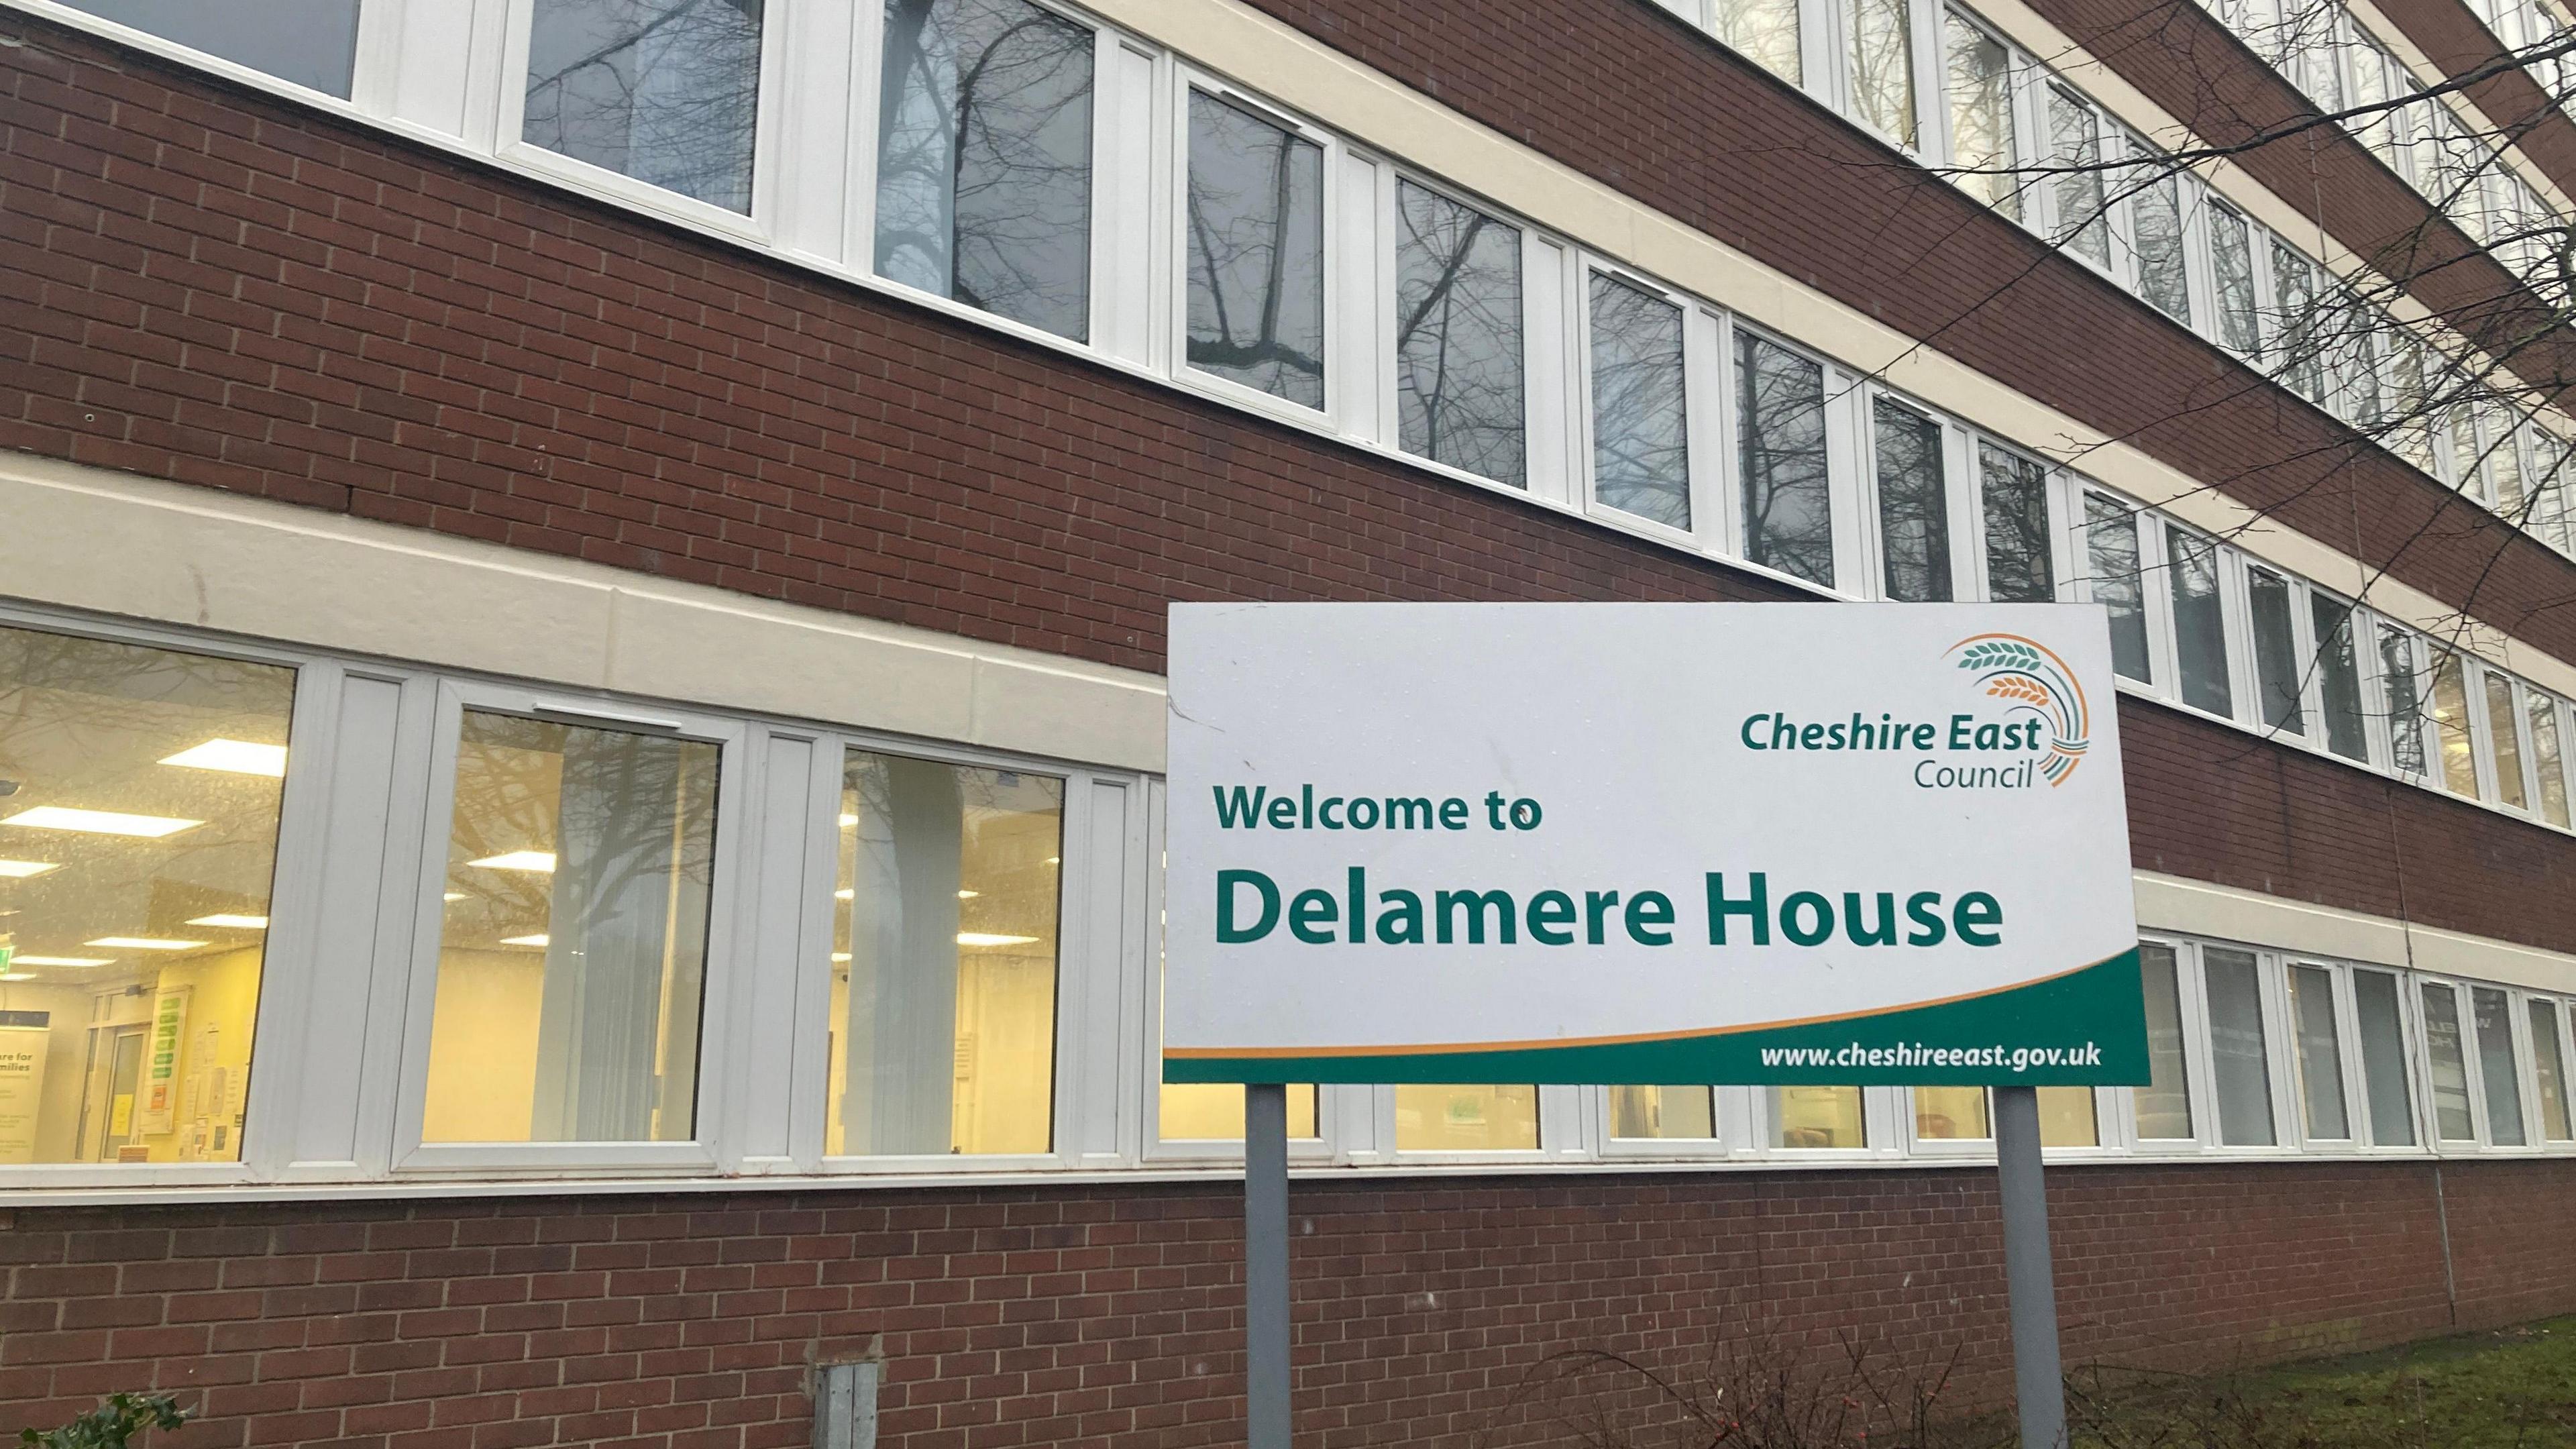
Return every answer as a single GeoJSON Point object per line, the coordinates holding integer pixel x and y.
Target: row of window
{"type": "Point", "coordinates": [1314, 281]}
{"type": "Point", "coordinates": [268, 915]}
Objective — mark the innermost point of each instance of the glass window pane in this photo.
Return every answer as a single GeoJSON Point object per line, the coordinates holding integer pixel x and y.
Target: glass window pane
{"type": "Point", "coordinates": [2320, 1057]}
{"type": "Point", "coordinates": [944, 960]}
{"type": "Point", "coordinates": [1817, 1117]}
{"type": "Point", "coordinates": [572, 953]}
{"type": "Point", "coordinates": [1951, 1114]}
{"type": "Point", "coordinates": [1913, 505]}
{"type": "Point", "coordinates": [1640, 438]}
{"type": "Point", "coordinates": [2075, 136]}
{"type": "Point", "coordinates": [2397, 673]}
{"type": "Point", "coordinates": [2111, 543]}
{"type": "Point", "coordinates": [1981, 116]}
{"type": "Point", "coordinates": [1466, 1119]}
{"type": "Point", "coordinates": [2504, 731]}
{"type": "Point", "coordinates": [1256, 227]}
{"type": "Point", "coordinates": [2498, 1071]}
{"type": "Point", "coordinates": [2200, 622]}
{"type": "Point", "coordinates": [2294, 306]}
{"type": "Point", "coordinates": [2020, 567]}
{"type": "Point", "coordinates": [135, 856]}
{"type": "Point", "coordinates": [2504, 465]}
{"type": "Point", "coordinates": [1882, 67]}
{"type": "Point", "coordinates": [2549, 1064]}
{"type": "Point", "coordinates": [1766, 31]}
{"type": "Point", "coordinates": [1788, 499]}
{"type": "Point", "coordinates": [665, 91]}
{"type": "Point", "coordinates": [1213, 1111]}
{"type": "Point", "coordinates": [2383, 1059]}
{"type": "Point", "coordinates": [1458, 333]}
{"type": "Point", "coordinates": [2276, 651]}
{"type": "Point", "coordinates": [2164, 1105]}
{"type": "Point", "coordinates": [2156, 212]}
{"type": "Point", "coordinates": [2231, 251]}
{"type": "Point", "coordinates": [2546, 761]}
{"type": "Point", "coordinates": [2451, 727]}
{"type": "Point", "coordinates": [2338, 677]}
{"type": "Point", "coordinates": [2067, 1118]}
{"type": "Point", "coordinates": [2450, 1063]}
{"type": "Point", "coordinates": [984, 159]}
{"type": "Point", "coordinates": [1663, 1112]}
{"type": "Point", "coordinates": [313, 43]}
{"type": "Point", "coordinates": [2239, 1063]}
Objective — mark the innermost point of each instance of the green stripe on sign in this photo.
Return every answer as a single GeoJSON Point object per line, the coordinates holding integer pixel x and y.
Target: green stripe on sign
{"type": "Point", "coordinates": [2085, 1028]}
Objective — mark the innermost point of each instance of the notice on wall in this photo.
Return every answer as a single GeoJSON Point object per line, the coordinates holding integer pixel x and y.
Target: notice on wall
{"type": "Point", "coordinates": [23, 1044]}
{"type": "Point", "coordinates": [1649, 843]}
{"type": "Point", "coordinates": [158, 1110]}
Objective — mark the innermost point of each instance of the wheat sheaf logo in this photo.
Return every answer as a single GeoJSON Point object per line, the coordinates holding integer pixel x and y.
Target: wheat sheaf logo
{"type": "Point", "coordinates": [2031, 677]}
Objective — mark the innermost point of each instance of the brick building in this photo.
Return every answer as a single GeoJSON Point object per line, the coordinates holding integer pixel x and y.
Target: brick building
{"type": "Point", "coordinates": [581, 587]}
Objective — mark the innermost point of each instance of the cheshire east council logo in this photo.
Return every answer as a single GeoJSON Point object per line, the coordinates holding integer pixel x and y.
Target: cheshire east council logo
{"type": "Point", "coordinates": [2026, 673]}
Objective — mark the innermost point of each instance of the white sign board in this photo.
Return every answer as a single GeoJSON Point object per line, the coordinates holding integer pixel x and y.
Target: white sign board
{"type": "Point", "coordinates": [1647, 843]}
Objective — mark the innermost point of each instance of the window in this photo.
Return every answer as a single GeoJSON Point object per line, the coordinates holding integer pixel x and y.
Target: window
{"type": "Point", "coordinates": [1815, 1118]}
{"type": "Point", "coordinates": [2200, 623]}
{"type": "Point", "coordinates": [2383, 1058]}
{"type": "Point", "coordinates": [1913, 505]}
{"type": "Point", "coordinates": [1951, 1114]}
{"type": "Point", "coordinates": [1788, 499]}
{"type": "Point", "coordinates": [2320, 1054]}
{"type": "Point", "coordinates": [2504, 733]}
{"type": "Point", "coordinates": [312, 43]}
{"type": "Point", "coordinates": [1665, 1113]}
{"type": "Point", "coordinates": [2370, 90]}
{"type": "Point", "coordinates": [2448, 1054]}
{"type": "Point", "coordinates": [1882, 67]}
{"type": "Point", "coordinates": [2338, 677]}
{"type": "Point", "coordinates": [2411, 437]}
{"type": "Point", "coordinates": [2067, 1118]}
{"type": "Point", "coordinates": [2164, 1104]}
{"type": "Point", "coordinates": [2547, 761]}
{"type": "Point", "coordinates": [2075, 134]}
{"type": "Point", "coordinates": [572, 949]}
{"type": "Point", "coordinates": [135, 861]}
{"type": "Point", "coordinates": [2398, 675]}
{"type": "Point", "coordinates": [2451, 727]}
{"type": "Point", "coordinates": [665, 91]}
{"type": "Point", "coordinates": [1256, 252]}
{"type": "Point", "coordinates": [1640, 435]}
{"type": "Point", "coordinates": [2020, 568]}
{"type": "Point", "coordinates": [944, 960]}
{"type": "Point", "coordinates": [1981, 115]}
{"type": "Point", "coordinates": [2111, 541]}
{"type": "Point", "coordinates": [2504, 466]}
{"type": "Point", "coordinates": [984, 159]}
{"type": "Point", "coordinates": [1458, 330]}
{"type": "Point", "coordinates": [2294, 305]}
{"type": "Point", "coordinates": [1766, 31]}
{"type": "Point", "coordinates": [2231, 255]}
{"type": "Point", "coordinates": [1466, 1119]}
{"type": "Point", "coordinates": [2156, 214]}
{"type": "Point", "coordinates": [2549, 1070]}
{"type": "Point", "coordinates": [2466, 474]}
{"type": "Point", "coordinates": [2239, 1067]}
{"type": "Point", "coordinates": [2278, 676]}
{"type": "Point", "coordinates": [1209, 1111]}
{"type": "Point", "coordinates": [2498, 1071]}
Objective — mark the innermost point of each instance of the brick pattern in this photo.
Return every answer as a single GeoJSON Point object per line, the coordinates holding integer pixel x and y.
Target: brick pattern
{"type": "Point", "coordinates": [1112, 1316]}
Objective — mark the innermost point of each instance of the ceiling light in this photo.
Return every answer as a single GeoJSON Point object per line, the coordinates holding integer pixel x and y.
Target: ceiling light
{"type": "Point", "coordinates": [21, 869]}
{"type": "Point", "coordinates": [143, 943]}
{"type": "Point", "coordinates": [62, 961]}
{"type": "Point", "coordinates": [968, 895]}
{"type": "Point", "coordinates": [987, 938]}
{"type": "Point", "coordinates": [541, 862]}
{"type": "Point", "coordinates": [453, 896]}
{"type": "Point", "coordinates": [840, 956]}
{"type": "Point", "coordinates": [849, 821]}
{"type": "Point", "coordinates": [236, 757]}
{"type": "Point", "coordinates": [538, 941]}
{"type": "Point", "coordinates": [233, 922]}
{"type": "Point", "coordinates": [1055, 860]}
{"type": "Point", "coordinates": [99, 822]}
{"type": "Point", "coordinates": [845, 894]}
{"type": "Point", "coordinates": [17, 975]}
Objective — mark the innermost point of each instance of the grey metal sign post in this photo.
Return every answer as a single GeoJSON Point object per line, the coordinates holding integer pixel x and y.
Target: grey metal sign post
{"type": "Point", "coordinates": [2030, 1284]}
{"type": "Point", "coordinates": [1265, 1265]}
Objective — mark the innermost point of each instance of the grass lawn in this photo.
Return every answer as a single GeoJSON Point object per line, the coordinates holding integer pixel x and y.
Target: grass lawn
{"type": "Point", "coordinates": [2512, 1389]}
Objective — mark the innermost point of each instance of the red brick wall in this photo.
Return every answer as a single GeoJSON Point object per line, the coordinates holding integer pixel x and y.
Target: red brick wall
{"type": "Point", "coordinates": [1111, 1316]}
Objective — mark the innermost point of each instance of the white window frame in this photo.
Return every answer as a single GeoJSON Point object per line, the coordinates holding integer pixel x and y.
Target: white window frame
{"type": "Point", "coordinates": [1541, 386]}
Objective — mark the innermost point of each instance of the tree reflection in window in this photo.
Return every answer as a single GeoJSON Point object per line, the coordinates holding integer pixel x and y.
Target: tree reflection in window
{"type": "Point", "coordinates": [1256, 241]}
{"type": "Point", "coordinates": [2020, 569]}
{"type": "Point", "coordinates": [1788, 501]}
{"type": "Point", "coordinates": [665, 91]}
{"type": "Point", "coordinates": [1913, 505]}
{"type": "Point", "coordinates": [1458, 336]}
{"type": "Point", "coordinates": [1640, 449]}
{"type": "Point", "coordinates": [984, 159]}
